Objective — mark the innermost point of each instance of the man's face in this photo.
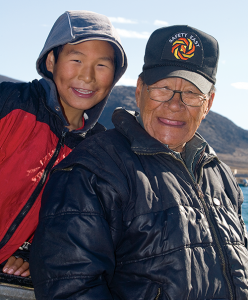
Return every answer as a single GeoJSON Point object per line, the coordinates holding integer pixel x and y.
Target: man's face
{"type": "Point", "coordinates": [172, 123]}
{"type": "Point", "coordinates": [83, 74]}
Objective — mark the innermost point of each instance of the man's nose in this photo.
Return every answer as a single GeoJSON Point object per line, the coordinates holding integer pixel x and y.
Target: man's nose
{"type": "Point", "coordinates": [175, 104]}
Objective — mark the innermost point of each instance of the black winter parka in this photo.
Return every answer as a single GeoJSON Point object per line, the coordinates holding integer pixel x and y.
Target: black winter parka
{"type": "Point", "coordinates": [123, 218]}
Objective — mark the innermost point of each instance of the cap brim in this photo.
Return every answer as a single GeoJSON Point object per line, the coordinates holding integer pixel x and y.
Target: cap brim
{"type": "Point", "coordinates": [150, 76]}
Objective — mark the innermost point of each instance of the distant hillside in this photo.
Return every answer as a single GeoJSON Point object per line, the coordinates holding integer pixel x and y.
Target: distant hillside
{"type": "Point", "coordinates": [121, 96]}
{"type": "Point", "coordinates": [228, 140]}
{"type": "Point", "coordinates": [5, 78]}
{"type": "Point", "coordinates": [223, 133]}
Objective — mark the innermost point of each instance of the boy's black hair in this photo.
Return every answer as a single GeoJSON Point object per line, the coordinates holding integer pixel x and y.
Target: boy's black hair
{"type": "Point", "coordinates": [56, 52]}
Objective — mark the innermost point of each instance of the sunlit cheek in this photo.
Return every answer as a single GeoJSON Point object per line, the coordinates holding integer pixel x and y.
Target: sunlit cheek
{"type": "Point", "coordinates": [106, 78]}
{"type": "Point", "coordinates": [150, 106]}
{"type": "Point", "coordinates": [200, 118]}
{"type": "Point", "coordinates": [71, 72]}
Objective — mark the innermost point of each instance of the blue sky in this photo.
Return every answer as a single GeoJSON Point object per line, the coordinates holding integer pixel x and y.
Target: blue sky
{"type": "Point", "coordinates": [25, 25]}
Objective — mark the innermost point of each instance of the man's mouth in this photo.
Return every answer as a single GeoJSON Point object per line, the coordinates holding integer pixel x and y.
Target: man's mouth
{"type": "Point", "coordinates": [171, 122]}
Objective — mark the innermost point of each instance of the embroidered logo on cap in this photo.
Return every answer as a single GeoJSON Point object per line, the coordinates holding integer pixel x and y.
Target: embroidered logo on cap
{"type": "Point", "coordinates": [185, 47]}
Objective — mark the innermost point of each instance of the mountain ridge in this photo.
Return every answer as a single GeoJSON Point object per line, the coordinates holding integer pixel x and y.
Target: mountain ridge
{"type": "Point", "coordinates": [5, 78]}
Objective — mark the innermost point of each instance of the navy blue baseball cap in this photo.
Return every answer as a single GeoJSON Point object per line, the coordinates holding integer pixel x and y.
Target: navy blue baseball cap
{"type": "Point", "coordinates": [181, 51]}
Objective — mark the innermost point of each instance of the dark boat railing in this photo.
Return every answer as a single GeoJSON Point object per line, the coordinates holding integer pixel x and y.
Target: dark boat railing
{"type": "Point", "coordinates": [16, 287]}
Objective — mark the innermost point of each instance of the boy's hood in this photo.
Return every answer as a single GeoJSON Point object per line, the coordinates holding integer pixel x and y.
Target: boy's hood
{"type": "Point", "coordinates": [74, 27]}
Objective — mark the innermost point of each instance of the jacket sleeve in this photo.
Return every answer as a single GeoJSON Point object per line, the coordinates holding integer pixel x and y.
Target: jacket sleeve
{"type": "Point", "coordinates": [6, 90]}
{"type": "Point", "coordinates": [23, 251]}
{"type": "Point", "coordinates": [235, 194]}
{"type": "Point", "coordinates": [72, 254]}
{"type": "Point", "coordinates": [240, 201]}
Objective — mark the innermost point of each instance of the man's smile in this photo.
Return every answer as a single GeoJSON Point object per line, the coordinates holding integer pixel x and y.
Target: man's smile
{"type": "Point", "coordinates": [171, 122]}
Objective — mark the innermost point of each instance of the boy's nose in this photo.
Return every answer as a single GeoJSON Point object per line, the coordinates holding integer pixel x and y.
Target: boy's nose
{"type": "Point", "coordinates": [87, 74]}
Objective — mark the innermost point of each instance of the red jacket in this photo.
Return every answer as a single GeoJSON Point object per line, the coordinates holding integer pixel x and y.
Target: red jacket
{"type": "Point", "coordinates": [32, 140]}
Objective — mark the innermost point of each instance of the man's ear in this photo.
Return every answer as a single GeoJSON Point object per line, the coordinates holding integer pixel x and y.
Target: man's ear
{"type": "Point", "coordinates": [138, 91]}
{"type": "Point", "coordinates": [210, 103]}
{"type": "Point", "coordinates": [50, 61]}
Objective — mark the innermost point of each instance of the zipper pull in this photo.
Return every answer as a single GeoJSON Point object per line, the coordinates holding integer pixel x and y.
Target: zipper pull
{"type": "Point", "coordinates": [200, 193]}
{"type": "Point", "coordinates": [62, 139]}
{"type": "Point", "coordinates": [158, 294]}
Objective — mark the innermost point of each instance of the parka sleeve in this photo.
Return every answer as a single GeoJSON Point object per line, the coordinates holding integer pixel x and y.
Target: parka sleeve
{"type": "Point", "coordinates": [236, 196]}
{"type": "Point", "coordinates": [73, 251]}
{"type": "Point", "coordinates": [6, 90]}
{"type": "Point", "coordinates": [240, 202]}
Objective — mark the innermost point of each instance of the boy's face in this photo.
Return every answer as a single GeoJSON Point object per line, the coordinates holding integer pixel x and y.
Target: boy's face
{"type": "Point", "coordinates": [83, 74]}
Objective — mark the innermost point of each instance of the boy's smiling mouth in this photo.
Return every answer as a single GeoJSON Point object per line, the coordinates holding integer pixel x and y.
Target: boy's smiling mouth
{"type": "Point", "coordinates": [84, 92]}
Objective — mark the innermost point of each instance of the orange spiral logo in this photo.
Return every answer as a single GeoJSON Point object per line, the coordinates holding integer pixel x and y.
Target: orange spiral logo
{"type": "Point", "coordinates": [183, 48]}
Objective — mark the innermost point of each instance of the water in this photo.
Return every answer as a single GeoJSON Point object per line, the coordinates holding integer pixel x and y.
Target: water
{"type": "Point", "coordinates": [245, 205]}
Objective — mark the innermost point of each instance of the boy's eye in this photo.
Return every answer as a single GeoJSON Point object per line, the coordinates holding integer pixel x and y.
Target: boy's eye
{"type": "Point", "coordinates": [106, 64]}
{"type": "Point", "coordinates": [77, 60]}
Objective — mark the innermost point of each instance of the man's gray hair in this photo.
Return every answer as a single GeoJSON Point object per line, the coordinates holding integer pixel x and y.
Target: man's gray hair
{"type": "Point", "coordinates": [212, 90]}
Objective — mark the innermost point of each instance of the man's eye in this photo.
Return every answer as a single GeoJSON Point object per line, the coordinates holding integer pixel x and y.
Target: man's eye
{"type": "Point", "coordinates": [160, 87]}
{"type": "Point", "coordinates": [167, 88]}
{"type": "Point", "coordinates": [77, 60]}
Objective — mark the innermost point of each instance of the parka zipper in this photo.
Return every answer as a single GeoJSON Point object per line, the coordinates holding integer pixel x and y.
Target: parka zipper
{"type": "Point", "coordinates": [222, 256]}
{"type": "Point", "coordinates": [201, 197]}
{"type": "Point", "coordinates": [34, 195]}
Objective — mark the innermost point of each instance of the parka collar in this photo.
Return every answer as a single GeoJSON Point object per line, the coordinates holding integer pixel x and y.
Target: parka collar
{"type": "Point", "coordinates": [141, 142]}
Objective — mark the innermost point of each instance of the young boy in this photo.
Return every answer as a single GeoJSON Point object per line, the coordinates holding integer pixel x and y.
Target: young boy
{"type": "Point", "coordinates": [42, 121]}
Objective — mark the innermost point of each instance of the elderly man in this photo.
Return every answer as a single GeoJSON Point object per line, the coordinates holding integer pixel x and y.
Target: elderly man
{"type": "Point", "coordinates": [147, 210]}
